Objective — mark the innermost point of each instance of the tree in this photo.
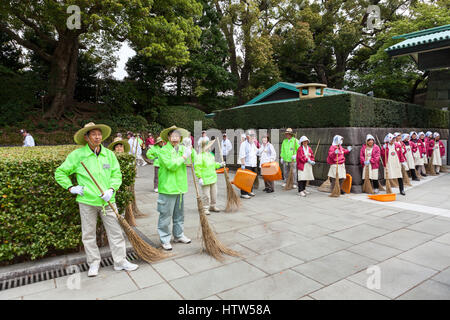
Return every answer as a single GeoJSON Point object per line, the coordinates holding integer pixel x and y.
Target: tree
{"type": "Point", "coordinates": [161, 29]}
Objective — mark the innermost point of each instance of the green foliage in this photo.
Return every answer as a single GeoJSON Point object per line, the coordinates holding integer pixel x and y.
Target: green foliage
{"type": "Point", "coordinates": [333, 111]}
{"type": "Point", "coordinates": [184, 117]}
{"type": "Point", "coordinates": [37, 215]}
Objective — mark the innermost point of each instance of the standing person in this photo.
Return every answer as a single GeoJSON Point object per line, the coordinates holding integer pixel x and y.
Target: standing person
{"type": "Point", "coordinates": [436, 150]}
{"type": "Point", "coordinates": [119, 145]}
{"type": "Point", "coordinates": [104, 166]}
{"type": "Point", "coordinates": [172, 184]}
{"type": "Point", "coordinates": [152, 154]}
{"type": "Point", "coordinates": [267, 153]}
{"type": "Point", "coordinates": [247, 155]}
{"type": "Point", "coordinates": [288, 155]}
{"type": "Point", "coordinates": [226, 146]}
{"type": "Point", "coordinates": [409, 145]}
{"type": "Point", "coordinates": [428, 138]}
{"type": "Point", "coordinates": [135, 148]}
{"type": "Point", "coordinates": [422, 160]}
{"type": "Point", "coordinates": [150, 141]}
{"type": "Point", "coordinates": [337, 151]}
{"type": "Point", "coordinates": [369, 158]}
{"type": "Point", "coordinates": [205, 170]}
{"type": "Point", "coordinates": [305, 161]}
{"type": "Point", "coordinates": [393, 159]}
{"type": "Point", "coordinates": [203, 137]}
{"type": "Point", "coordinates": [28, 141]}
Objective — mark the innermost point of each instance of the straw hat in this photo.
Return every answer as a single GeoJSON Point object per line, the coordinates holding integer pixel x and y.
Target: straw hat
{"type": "Point", "coordinates": [289, 130]}
{"type": "Point", "coordinates": [118, 140]}
{"type": "Point", "coordinates": [158, 140]}
{"type": "Point", "coordinates": [79, 136]}
{"type": "Point", "coordinates": [165, 133]}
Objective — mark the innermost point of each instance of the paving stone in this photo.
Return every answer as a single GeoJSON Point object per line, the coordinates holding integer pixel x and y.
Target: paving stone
{"type": "Point", "coordinates": [272, 241]}
{"type": "Point", "coordinates": [346, 290]}
{"type": "Point", "coordinates": [387, 224]}
{"type": "Point", "coordinates": [274, 261]}
{"type": "Point", "coordinates": [403, 239]}
{"type": "Point", "coordinates": [429, 290]}
{"type": "Point", "coordinates": [267, 217]}
{"type": "Point", "coordinates": [312, 249]}
{"type": "Point", "coordinates": [338, 224]}
{"type": "Point", "coordinates": [374, 250]}
{"type": "Point", "coordinates": [306, 298]}
{"type": "Point", "coordinates": [198, 262]}
{"type": "Point", "coordinates": [432, 226]}
{"type": "Point", "coordinates": [207, 283]}
{"type": "Point", "coordinates": [443, 276]}
{"type": "Point", "coordinates": [27, 290]}
{"type": "Point", "coordinates": [170, 270]}
{"type": "Point", "coordinates": [359, 233]}
{"type": "Point", "coordinates": [432, 254]}
{"type": "Point", "coordinates": [310, 231]}
{"type": "Point", "coordinates": [145, 276]}
{"type": "Point", "coordinates": [396, 277]}
{"type": "Point", "coordinates": [273, 287]}
{"type": "Point", "coordinates": [158, 292]}
{"type": "Point", "coordinates": [334, 267]}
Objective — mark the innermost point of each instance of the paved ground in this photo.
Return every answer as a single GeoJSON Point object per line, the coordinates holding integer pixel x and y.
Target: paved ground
{"type": "Point", "coordinates": [293, 248]}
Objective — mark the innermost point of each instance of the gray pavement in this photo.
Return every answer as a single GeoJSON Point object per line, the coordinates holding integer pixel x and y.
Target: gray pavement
{"type": "Point", "coordinates": [292, 248]}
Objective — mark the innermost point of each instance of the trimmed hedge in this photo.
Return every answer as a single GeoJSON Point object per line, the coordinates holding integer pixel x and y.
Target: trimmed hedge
{"type": "Point", "coordinates": [347, 110]}
{"type": "Point", "coordinates": [37, 215]}
{"type": "Point", "coordinates": [184, 117]}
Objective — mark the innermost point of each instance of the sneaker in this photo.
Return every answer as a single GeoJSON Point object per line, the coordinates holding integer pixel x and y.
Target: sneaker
{"type": "Point", "coordinates": [167, 246]}
{"type": "Point", "coordinates": [182, 239]}
{"type": "Point", "coordinates": [302, 194]}
{"type": "Point", "coordinates": [283, 185]}
{"type": "Point", "coordinates": [93, 270]}
{"type": "Point", "coordinates": [251, 194]}
{"type": "Point", "coordinates": [295, 186]}
{"type": "Point", "coordinates": [245, 196]}
{"type": "Point", "coordinates": [214, 209]}
{"type": "Point", "coordinates": [156, 190]}
{"type": "Point", "coordinates": [307, 192]}
{"type": "Point", "coordinates": [403, 193]}
{"type": "Point", "coordinates": [207, 212]}
{"type": "Point", "coordinates": [125, 265]}
{"type": "Point", "coordinates": [376, 191]}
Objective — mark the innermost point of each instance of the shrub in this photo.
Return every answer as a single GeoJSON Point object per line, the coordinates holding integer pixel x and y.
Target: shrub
{"type": "Point", "coordinates": [184, 117]}
{"type": "Point", "coordinates": [37, 215]}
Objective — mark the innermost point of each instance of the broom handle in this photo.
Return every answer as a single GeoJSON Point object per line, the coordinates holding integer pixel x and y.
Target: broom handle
{"type": "Point", "coordinates": [317, 147]}
{"type": "Point", "coordinates": [195, 182]}
{"type": "Point", "coordinates": [99, 188]}
{"type": "Point", "coordinates": [220, 150]}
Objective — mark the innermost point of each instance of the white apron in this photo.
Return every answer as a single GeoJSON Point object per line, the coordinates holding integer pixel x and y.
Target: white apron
{"type": "Point", "coordinates": [394, 166]}
{"type": "Point", "coordinates": [341, 171]}
{"type": "Point", "coordinates": [410, 158]}
{"type": "Point", "coordinates": [307, 173]}
{"type": "Point", "coordinates": [373, 173]}
{"type": "Point", "coordinates": [418, 161]}
{"type": "Point", "coordinates": [437, 161]}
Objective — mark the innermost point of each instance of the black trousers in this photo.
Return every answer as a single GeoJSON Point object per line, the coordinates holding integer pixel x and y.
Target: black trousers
{"type": "Point", "coordinates": [400, 184]}
{"type": "Point", "coordinates": [301, 185]}
{"type": "Point", "coordinates": [254, 170]}
{"type": "Point", "coordinates": [375, 184]}
{"type": "Point", "coordinates": [413, 173]}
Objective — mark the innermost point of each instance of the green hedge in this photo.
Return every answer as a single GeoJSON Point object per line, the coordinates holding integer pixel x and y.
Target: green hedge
{"type": "Point", "coordinates": [184, 117]}
{"type": "Point", "coordinates": [37, 215]}
{"type": "Point", "coordinates": [346, 110]}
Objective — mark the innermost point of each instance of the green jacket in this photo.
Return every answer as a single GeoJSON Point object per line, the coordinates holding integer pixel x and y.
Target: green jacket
{"type": "Point", "coordinates": [288, 149]}
{"type": "Point", "coordinates": [172, 174]}
{"type": "Point", "coordinates": [105, 169]}
{"type": "Point", "coordinates": [152, 153]}
{"type": "Point", "coordinates": [205, 167]}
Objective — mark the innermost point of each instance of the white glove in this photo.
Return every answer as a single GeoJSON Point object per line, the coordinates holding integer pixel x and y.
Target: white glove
{"type": "Point", "coordinates": [222, 164]}
{"type": "Point", "coordinates": [311, 162]}
{"type": "Point", "coordinates": [187, 152]}
{"type": "Point", "coordinates": [404, 164]}
{"type": "Point", "coordinates": [243, 167]}
{"type": "Point", "coordinates": [336, 151]}
{"type": "Point", "coordinates": [77, 190]}
{"type": "Point", "coordinates": [107, 195]}
{"type": "Point", "coordinates": [367, 162]}
{"type": "Point", "coordinates": [349, 148]}
{"type": "Point", "coordinates": [294, 157]}
{"type": "Point", "coordinates": [200, 181]}
{"type": "Point", "coordinates": [281, 160]}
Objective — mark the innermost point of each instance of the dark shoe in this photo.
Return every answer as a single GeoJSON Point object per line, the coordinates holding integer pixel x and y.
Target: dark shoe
{"type": "Point", "coordinates": [342, 192]}
{"type": "Point", "coordinates": [269, 191]}
{"type": "Point", "coordinates": [424, 175]}
{"type": "Point", "coordinates": [416, 179]}
{"type": "Point", "coordinates": [265, 189]}
{"type": "Point", "coordinates": [403, 193]}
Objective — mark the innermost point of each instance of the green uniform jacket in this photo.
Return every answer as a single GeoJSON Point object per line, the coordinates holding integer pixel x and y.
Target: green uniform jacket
{"type": "Point", "coordinates": [205, 167]}
{"type": "Point", "coordinates": [152, 153]}
{"type": "Point", "coordinates": [288, 149]}
{"type": "Point", "coordinates": [105, 169]}
{"type": "Point", "coordinates": [172, 174]}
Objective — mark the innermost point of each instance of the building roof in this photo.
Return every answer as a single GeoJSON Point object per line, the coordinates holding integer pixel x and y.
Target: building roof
{"type": "Point", "coordinates": [419, 41]}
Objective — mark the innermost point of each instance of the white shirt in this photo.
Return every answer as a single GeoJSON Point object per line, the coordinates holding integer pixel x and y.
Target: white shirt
{"type": "Point", "coordinates": [267, 153]}
{"type": "Point", "coordinates": [226, 147]}
{"type": "Point", "coordinates": [248, 152]}
{"type": "Point", "coordinates": [132, 142]}
{"type": "Point", "coordinates": [29, 141]}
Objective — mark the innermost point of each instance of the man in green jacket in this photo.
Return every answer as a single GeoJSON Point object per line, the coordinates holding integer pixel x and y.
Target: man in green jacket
{"type": "Point", "coordinates": [172, 185]}
{"type": "Point", "coordinates": [288, 155]}
{"type": "Point", "coordinates": [103, 165]}
{"type": "Point", "coordinates": [152, 154]}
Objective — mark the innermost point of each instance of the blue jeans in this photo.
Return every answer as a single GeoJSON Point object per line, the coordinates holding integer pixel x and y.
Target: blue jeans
{"type": "Point", "coordinates": [170, 205]}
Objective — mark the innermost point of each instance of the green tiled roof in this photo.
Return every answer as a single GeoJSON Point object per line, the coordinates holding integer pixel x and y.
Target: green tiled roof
{"type": "Point", "coordinates": [422, 37]}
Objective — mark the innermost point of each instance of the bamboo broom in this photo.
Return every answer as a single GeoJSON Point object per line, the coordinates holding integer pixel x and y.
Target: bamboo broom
{"type": "Point", "coordinates": [315, 151]}
{"type": "Point", "coordinates": [210, 243]}
{"type": "Point", "coordinates": [290, 180]}
{"type": "Point", "coordinates": [144, 250]}
{"type": "Point", "coordinates": [430, 167]}
{"type": "Point", "coordinates": [367, 186]}
{"type": "Point", "coordinates": [405, 176]}
{"type": "Point", "coordinates": [336, 188]}
{"type": "Point", "coordinates": [388, 183]}
{"type": "Point", "coordinates": [233, 201]}
{"type": "Point", "coordinates": [135, 210]}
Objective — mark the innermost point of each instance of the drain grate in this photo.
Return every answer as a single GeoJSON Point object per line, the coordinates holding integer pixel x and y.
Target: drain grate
{"type": "Point", "coordinates": [54, 273]}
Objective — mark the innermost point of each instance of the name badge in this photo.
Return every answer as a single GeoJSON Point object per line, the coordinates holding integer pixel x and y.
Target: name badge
{"type": "Point", "coordinates": [106, 166]}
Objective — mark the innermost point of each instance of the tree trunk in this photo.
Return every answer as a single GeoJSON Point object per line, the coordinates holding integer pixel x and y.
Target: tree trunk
{"type": "Point", "coordinates": [63, 75]}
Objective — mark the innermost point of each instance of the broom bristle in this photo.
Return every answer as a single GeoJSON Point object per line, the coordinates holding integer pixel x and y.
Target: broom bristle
{"type": "Point", "coordinates": [367, 186]}
{"type": "Point", "coordinates": [233, 201]}
{"type": "Point", "coordinates": [380, 187]}
{"type": "Point", "coordinates": [405, 177]}
{"type": "Point", "coordinates": [388, 183]}
{"type": "Point", "coordinates": [256, 183]}
{"type": "Point", "coordinates": [444, 169]}
{"type": "Point", "coordinates": [290, 179]}
{"type": "Point", "coordinates": [145, 251]}
{"type": "Point", "coordinates": [418, 175]}
{"type": "Point", "coordinates": [394, 183]}
{"type": "Point", "coordinates": [325, 186]}
{"type": "Point", "coordinates": [430, 166]}
{"type": "Point", "coordinates": [129, 216]}
{"type": "Point", "coordinates": [210, 243]}
{"type": "Point", "coordinates": [136, 211]}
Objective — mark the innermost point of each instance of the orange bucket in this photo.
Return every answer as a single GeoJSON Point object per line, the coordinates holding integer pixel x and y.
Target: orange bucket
{"type": "Point", "coordinates": [383, 197]}
{"type": "Point", "coordinates": [347, 184]}
{"type": "Point", "coordinates": [219, 171]}
{"type": "Point", "coordinates": [271, 171]}
{"type": "Point", "coordinates": [244, 179]}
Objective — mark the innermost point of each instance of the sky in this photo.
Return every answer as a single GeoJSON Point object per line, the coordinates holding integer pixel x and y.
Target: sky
{"type": "Point", "coordinates": [124, 54]}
